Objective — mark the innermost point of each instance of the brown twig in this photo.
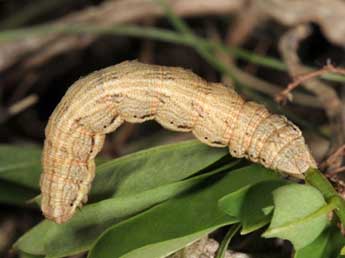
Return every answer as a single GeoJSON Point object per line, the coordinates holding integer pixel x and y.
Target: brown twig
{"type": "Point", "coordinates": [18, 107]}
{"type": "Point", "coordinates": [327, 95]}
{"type": "Point", "coordinates": [243, 24]}
{"type": "Point", "coordinates": [329, 15]}
{"type": "Point", "coordinates": [336, 171]}
{"type": "Point", "coordinates": [22, 104]}
{"type": "Point", "coordinates": [288, 46]}
{"type": "Point", "coordinates": [333, 157]}
{"type": "Point", "coordinates": [254, 82]}
{"type": "Point", "coordinates": [300, 79]}
{"type": "Point", "coordinates": [33, 52]}
{"type": "Point", "coordinates": [127, 11]}
{"type": "Point", "coordinates": [337, 182]}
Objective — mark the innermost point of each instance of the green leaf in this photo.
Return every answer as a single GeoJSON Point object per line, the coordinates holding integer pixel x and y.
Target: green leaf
{"type": "Point", "coordinates": [129, 176]}
{"type": "Point", "coordinates": [153, 167]}
{"type": "Point", "coordinates": [166, 247]}
{"type": "Point", "coordinates": [15, 194]}
{"type": "Point", "coordinates": [177, 218]}
{"type": "Point", "coordinates": [316, 178]}
{"type": "Point", "coordinates": [298, 215]}
{"type": "Point", "coordinates": [20, 169]}
{"type": "Point", "coordinates": [267, 210]}
{"type": "Point", "coordinates": [221, 252]}
{"type": "Point", "coordinates": [82, 230]}
{"type": "Point", "coordinates": [251, 203]}
{"type": "Point", "coordinates": [20, 165]}
{"type": "Point", "coordinates": [254, 209]}
{"type": "Point", "coordinates": [233, 203]}
{"type": "Point", "coordinates": [25, 255]}
{"type": "Point", "coordinates": [327, 245]}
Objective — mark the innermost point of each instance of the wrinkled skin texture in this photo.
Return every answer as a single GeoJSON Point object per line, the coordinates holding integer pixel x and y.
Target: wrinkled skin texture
{"type": "Point", "coordinates": [177, 99]}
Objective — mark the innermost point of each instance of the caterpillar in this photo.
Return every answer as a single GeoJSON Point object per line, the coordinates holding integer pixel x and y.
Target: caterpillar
{"type": "Point", "coordinates": [177, 99]}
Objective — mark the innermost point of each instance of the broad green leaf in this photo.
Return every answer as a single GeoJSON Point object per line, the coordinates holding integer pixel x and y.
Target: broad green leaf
{"type": "Point", "coordinates": [78, 234]}
{"type": "Point", "coordinates": [161, 249]}
{"type": "Point", "coordinates": [296, 217]}
{"type": "Point", "coordinates": [25, 255]}
{"type": "Point", "coordinates": [327, 245]}
{"type": "Point", "coordinates": [268, 210]}
{"type": "Point", "coordinates": [95, 218]}
{"type": "Point", "coordinates": [153, 167]}
{"type": "Point", "coordinates": [129, 174]}
{"type": "Point", "coordinates": [15, 194]}
{"type": "Point", "coordinates": [257, 199]}
{"type": "Point", "coordinates": [235, 202]}
{"type": "Point", "coordinates": [193, 212]}
{"type": "Point", "coordinates": [20, 165]}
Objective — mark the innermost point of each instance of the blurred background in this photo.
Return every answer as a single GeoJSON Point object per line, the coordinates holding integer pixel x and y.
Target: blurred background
{"type": "Point", "coordinates": [258, 47]}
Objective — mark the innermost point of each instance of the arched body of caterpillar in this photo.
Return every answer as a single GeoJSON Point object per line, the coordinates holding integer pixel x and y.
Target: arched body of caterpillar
{"type": "Point", "coordinates": [177, 99]}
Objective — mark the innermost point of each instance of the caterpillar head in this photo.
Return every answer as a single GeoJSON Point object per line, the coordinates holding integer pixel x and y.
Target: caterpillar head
{"type": "Point", "coordinates": [61, 194]}
{"type": "Point", "coordinates": [58, 213]}
{"type": "Point", "coordinates": [61, 209]}
{"type": "Point", "coordinates": [295, 159]}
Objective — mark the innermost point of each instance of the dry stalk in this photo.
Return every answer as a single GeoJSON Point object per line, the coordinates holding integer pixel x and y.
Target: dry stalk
{"type": "Point", "coordinates": [300, 79]}
{"type": "Point", "coordinates": [127, 11]}
{"type": "Point", "coordinates": [326, 94]}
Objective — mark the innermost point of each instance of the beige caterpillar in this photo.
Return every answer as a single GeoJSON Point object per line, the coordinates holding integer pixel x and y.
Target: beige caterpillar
{"type": "Point", "coordinates": [177, 99]}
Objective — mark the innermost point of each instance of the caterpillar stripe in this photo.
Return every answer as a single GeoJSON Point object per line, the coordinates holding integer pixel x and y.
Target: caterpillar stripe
{"type": "Point", "coordinates": [177, 99]}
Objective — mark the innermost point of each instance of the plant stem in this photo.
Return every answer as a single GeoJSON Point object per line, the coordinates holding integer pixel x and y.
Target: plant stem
{"type": "Point", "coordinates": [157, 34]}
{"type": "Point", "coordinates": [178, 23]}
{"type": "Point", "coordinates": [31, 11]}
{"type": "Point", "coordinates": [152, 33]}
{"type": "Point", "coordinates": [315, 178]}
{"type": "Point", "coordinates": [224, 245]}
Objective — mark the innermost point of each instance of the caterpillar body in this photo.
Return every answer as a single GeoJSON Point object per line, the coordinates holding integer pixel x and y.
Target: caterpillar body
{"type": "Point", "coordinates": [177, 99]}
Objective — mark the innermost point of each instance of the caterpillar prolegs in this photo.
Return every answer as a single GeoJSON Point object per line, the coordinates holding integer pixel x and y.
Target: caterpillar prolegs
{"type": "Point", "coordinates": [177, 99]}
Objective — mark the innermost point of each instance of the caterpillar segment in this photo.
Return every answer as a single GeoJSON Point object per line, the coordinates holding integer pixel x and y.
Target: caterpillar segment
{"type": "Point", "coordinates": [177, 99]}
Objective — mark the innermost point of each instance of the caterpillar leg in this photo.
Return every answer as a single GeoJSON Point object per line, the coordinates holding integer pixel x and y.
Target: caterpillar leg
{"type": "Point", "coordinates": [114, 124]}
